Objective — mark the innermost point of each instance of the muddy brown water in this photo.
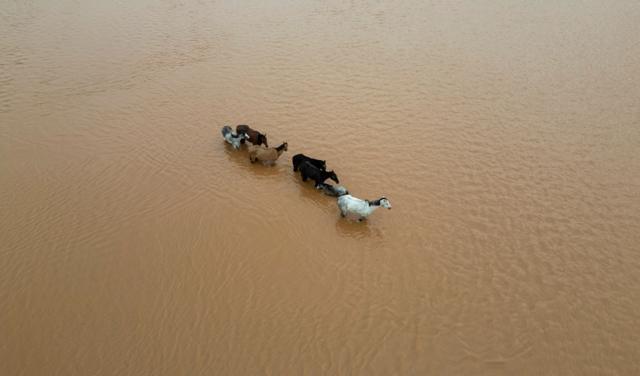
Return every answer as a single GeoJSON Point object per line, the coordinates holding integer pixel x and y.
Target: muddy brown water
{"type": "Point", "coordinates": [134, 241]}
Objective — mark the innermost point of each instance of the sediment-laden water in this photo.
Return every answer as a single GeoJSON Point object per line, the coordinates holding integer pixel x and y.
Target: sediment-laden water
{"type": "Point", "coordinates": [134, 241]}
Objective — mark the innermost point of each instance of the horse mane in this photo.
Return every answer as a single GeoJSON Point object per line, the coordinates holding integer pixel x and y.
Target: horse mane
{"type": "Point", "coordinates": [375, 202]}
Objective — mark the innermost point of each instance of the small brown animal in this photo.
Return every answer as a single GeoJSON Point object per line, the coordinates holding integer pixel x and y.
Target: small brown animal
{"type": "Point", "coordinates": [266, 155]}
{"type": "Point", "coordinates": [255, 137]}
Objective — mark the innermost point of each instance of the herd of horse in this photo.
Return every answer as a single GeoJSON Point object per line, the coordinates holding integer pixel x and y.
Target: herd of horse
{"type": "Point", "coordinates": [310, 168]}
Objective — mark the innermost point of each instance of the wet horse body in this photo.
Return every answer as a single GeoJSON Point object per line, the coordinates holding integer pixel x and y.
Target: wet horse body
{"type": "Point", "coordinates": [362, 208]}
{"type": "Point", "coordinates": [266, 155]}
{"type": "Point", "coordinates": [309, 171]}
{"type": "Point", "coordinates": [234, 139]}
{"type": "Point", "coordinates": [299, 159]}
{"type": "Point", "coordinates": [253, 136]}
{"type": "Point", "coordinates": [333, 190]}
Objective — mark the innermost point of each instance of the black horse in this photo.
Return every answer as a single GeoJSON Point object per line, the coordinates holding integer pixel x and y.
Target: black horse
{"type": "Point", "coordinates": [309, 171]}
{"type": "Point", "coordinates": [298, 159]}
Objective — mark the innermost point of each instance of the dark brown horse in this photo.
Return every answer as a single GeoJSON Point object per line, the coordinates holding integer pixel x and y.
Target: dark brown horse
{"type": "Point", "coordinates": [255, 137]}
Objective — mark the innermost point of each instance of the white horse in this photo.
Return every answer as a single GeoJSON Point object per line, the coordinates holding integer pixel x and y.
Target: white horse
{"type": "Point", "coordinates": [233, 139]}
{"type": "Point", "coordinates": [363, 208]}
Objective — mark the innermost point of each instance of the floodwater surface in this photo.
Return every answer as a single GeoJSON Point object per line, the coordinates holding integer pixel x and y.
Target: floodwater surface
{"type": "Point", "coordinates": [134, 241]}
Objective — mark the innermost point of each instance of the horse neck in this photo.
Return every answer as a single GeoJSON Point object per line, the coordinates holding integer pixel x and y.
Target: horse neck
{"type": "Point", "coordinates": [374, 204]}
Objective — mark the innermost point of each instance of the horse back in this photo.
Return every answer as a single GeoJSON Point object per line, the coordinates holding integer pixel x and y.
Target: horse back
{"type": "Point", "coordinates": [308, 169]}
{"type": "Point", "coordinates": [298, 159]}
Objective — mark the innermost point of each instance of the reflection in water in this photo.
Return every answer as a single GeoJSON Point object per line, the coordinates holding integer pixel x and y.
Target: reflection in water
{"type": "Point", "coordinates": [134, 240]}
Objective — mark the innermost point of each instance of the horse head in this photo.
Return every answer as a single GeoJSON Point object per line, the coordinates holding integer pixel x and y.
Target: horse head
{"type": "Point", "coordinates": [283, 147]}
{"type": "Point", "coordinates": [333, 176]}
